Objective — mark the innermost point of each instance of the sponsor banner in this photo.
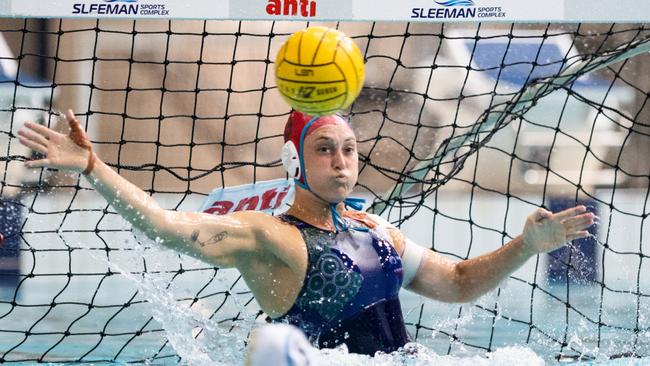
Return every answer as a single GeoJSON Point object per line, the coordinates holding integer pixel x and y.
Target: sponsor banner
{"type": "Point", "coordinates": [343, 10]}
{"type": "Point", "coordinates": [5, 8]}
{"type": "Point", "coordinates": [460, 10]}
{"type": "Point", "coordinates": [637, 11]}
{"type": "Point", "coordinates": [291, 9]}
{"type": "Point", "coordinates": [270, 196]}
{"type": "Point", "coordinates": [214, 9]}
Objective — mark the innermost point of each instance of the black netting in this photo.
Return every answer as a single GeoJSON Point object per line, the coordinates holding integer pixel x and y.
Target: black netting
{"type": "Point", "coordinates": [463, 130]}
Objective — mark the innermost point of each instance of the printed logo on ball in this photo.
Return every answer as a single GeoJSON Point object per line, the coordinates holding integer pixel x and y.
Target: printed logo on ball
{"type": "Point", "coordinates": [119, 7]}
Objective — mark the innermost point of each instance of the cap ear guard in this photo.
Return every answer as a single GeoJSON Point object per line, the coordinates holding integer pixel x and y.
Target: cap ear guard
{"type": "Point", "coordinates": [290, 160]}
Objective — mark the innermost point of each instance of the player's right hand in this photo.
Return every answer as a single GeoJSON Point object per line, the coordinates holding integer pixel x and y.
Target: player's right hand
{"type": "Point", "coordinates": [66, 152]}
{"type": "Point", "coordinates": [545, 231]}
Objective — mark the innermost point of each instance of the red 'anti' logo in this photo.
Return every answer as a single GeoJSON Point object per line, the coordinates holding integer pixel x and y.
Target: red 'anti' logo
{"type": "Point", "coordinates": [255, 202]}
{"type": "Point", "coordinates": [291, 7]}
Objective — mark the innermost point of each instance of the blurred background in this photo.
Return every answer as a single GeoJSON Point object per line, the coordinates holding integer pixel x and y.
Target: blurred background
{"type": "Point", "coordinates": [183, 107]}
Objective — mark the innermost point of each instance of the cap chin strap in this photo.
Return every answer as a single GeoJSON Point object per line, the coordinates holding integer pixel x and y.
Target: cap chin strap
{"type": "Point", "coordinates": [354, 203]}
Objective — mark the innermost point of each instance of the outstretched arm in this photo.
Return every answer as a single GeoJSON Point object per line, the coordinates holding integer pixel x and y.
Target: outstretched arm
{"type": "Point", "coordinates": [216, 239]}
{"type": "Point", "coordinates": [442, 279]}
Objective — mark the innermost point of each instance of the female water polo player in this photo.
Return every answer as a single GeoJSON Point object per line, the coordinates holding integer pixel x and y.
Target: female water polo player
{"type": "Point", "coordinates": [332, 272]}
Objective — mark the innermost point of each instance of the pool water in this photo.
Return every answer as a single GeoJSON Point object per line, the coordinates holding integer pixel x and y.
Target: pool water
{"type": "Point", "coordinates": [78, 302]}
{"type": "Point", "coordinates": [487, 332]}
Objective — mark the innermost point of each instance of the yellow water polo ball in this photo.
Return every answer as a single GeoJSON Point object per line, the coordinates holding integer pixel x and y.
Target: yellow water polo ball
{"type": "Point", "coordinates": [319, 71]}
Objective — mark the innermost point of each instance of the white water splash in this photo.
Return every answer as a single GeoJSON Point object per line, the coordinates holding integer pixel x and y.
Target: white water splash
{"type": "Point", "coordinates": [214, 346]}
{"type": "Point", "coordinates": [415, 354]}
{"type": "Point", "coordinates": [218, 346]}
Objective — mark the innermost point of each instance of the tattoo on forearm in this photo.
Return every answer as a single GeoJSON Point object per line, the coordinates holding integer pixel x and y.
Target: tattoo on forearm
{"type": "Point", "coordinates": [195, 235]}
{"type": "Point", "coordinates": [214, 240]}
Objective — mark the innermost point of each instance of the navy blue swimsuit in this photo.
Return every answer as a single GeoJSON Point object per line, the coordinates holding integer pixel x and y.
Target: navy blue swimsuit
{"type": "Point", "coordinates": [350, 291]}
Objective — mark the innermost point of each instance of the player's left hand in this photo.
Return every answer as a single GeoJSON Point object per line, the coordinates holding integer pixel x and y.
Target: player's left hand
{"type": "Point", "coordinates": [545, 231]}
